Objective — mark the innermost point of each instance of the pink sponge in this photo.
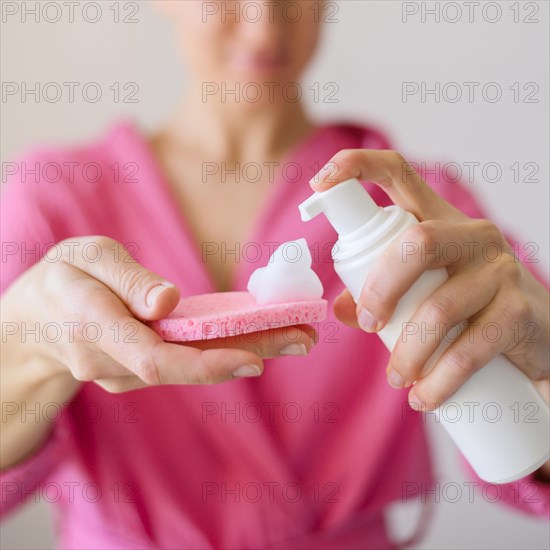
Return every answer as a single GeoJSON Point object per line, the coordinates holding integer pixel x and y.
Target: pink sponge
{"type": "Point", "coordinates": [224, 314]}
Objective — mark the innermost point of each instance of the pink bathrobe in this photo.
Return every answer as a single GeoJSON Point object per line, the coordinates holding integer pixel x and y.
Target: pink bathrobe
{"type": "Point", "coordinates": [306, 456]}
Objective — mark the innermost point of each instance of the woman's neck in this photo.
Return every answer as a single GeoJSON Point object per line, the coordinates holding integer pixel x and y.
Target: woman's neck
{"type": "Point", "coordinates": [236, 133]}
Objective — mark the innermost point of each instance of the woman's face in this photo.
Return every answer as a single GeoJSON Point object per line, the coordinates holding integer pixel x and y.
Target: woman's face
{"type": "Point", "coordinates": [246, 41]}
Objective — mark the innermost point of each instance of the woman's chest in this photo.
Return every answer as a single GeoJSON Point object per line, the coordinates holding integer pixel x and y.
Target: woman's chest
{"type": "Point", "coordinates": [221, 215]}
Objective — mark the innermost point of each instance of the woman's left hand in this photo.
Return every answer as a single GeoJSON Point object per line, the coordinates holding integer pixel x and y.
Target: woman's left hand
{"type": "Point", "coordinates": [506, 308]}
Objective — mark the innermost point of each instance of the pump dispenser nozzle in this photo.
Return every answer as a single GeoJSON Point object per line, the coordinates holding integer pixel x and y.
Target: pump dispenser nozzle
{"type": "Point", "coordinates": [347, 206]}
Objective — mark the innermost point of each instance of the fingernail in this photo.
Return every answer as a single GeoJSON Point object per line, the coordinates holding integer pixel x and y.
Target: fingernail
{"type": "Point", "coordinates": [246, 370]}
{"type": "Point", "coordinates": [367, 321]}
{"type": "Point", "coordinates": [294, 349]}
{"type": "Point", "coordinates": [155, 292]}
{"type": "Point", "coordinates": [414, 402]}
{"type": "Point", "coordinates": [325, 171]}
{"type": "Point", "coordinates": [395, 380]}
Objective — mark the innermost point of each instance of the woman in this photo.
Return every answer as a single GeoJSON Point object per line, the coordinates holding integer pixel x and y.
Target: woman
{"type": "Point", "coordinates": [294, 452]}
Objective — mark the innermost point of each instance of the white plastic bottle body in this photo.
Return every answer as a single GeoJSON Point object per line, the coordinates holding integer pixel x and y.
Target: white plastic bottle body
{"type": "Point", "coordinates": [497, 419]}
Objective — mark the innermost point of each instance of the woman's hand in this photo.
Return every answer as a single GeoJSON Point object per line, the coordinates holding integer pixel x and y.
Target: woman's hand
{"type": "Point", "coordinates": [67, 320]}
{"type": "Point", "coordinates": [95, 307]}
{"type": "Point", "coordinates": [507, 309]}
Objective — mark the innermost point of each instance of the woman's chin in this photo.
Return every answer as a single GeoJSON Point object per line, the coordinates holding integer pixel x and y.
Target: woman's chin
{"type": "Point", "coordinates": [260, 71]}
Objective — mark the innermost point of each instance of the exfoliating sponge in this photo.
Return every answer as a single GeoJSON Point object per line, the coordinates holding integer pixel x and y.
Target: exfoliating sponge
{"type": "Point", "coordinates": [225, 314]}
{"type": "Point", "coordinates": [283, 293]}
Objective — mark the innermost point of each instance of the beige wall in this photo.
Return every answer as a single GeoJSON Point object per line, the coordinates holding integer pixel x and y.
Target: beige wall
{"type": "Point", "coordinates": [368, 53]}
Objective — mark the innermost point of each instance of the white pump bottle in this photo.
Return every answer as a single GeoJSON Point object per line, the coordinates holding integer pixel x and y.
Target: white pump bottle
{"type": "Point", "coordinates": [498, 419]}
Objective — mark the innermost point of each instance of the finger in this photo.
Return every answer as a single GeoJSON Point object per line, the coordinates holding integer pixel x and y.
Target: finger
{"type": "Point", "coordinates": [121, 384]}
{"type": "Point", "coordinates": [292, 340]}
{"type": "Point", "coordinates": [142, 351]}
{"type": "Point", "coordinates": [390, 171]}
{"type": "Point", "coordinates": [487, 335]}
{"type": "Point", "coordinates": [146, 294]}
{"type": "Point", "coordinates": [310, 331]}
{"type": "Point", "coordinates": [419, 248]}
{"type": "Point", "coordinates": [179, 364]}
{"type": "Point", "coordinates": [458, 299]}
{"type": "Point", "coordinates": [543, 387]}
{"type": "Point", "coordinates": [93, 364]}
{"type": "Point", "coordinates": [158, 362]}
{"type": "Point", "coordinates": [345, 309]}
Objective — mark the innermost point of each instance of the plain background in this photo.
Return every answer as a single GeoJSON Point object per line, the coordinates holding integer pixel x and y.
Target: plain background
{"type": "Point", "coordinates": [368, 53]}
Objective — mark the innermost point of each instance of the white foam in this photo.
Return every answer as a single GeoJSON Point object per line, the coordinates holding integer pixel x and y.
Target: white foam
{"type": "Point", "coordinates": [288, 276]}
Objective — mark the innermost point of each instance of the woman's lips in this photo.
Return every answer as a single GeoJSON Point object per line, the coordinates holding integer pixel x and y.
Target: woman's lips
{"type": "Point", "coordinates": [259, 64]}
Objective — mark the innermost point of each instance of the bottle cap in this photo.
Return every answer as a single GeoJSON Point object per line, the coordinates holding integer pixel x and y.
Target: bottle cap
{"type": "Point", "coordinates": [347, 206]}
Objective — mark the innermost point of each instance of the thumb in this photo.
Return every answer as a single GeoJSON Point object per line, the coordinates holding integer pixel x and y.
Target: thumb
{"type": "Point", "coordinates": [391, 172]}
{"type": "Point", "coordinates": [147, 295]}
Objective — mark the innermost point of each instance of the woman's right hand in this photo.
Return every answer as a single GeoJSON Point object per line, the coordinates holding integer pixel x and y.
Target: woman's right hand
{"type": "Point", "coordinates": [88, 317]}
